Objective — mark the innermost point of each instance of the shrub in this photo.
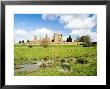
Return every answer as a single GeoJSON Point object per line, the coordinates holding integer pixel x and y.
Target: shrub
{"type": "Point", "coordinates": [30, 46]}
{"type": "Point", "coordinates": [81, 61]}
{"type": "Point", "coordinates": [94, 44]}
{"type": "Point", "coordinates": [45, 59]}
{"type": "Point", "coordinates": [81, 44]}
{"type": "Point", "coordinates": [86, 45]}
{"type": "Point", "coordinates": [62, 60]}
{"type": "Point", "coordinates": [66, 66]}
{"type": "Point", "coordinates": [45, 42]}
{"type": "Point", "coordinates": [84, 39]}
{"type": "Point", "coordinates": [70, 60]}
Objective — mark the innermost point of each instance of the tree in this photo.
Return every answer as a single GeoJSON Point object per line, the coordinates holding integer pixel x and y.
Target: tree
{"type": "Point", "coordinates": [22, 41]}
{"type": "Point", "coordinates": [19, 42]}
{"type": "Point", "coordinates": [85, 39]}
{"type": "Point", "coordinates": [30, 46]}
{"type": "Point", "coordinates": [77, 39]}
{"type": "Point", "coordinates": [53, 40]}
{"type": "Point", "coordinates": [27, 41]}
{"type": "Point", "coordinates": [45, 42]}
{"type": "Point", "coordinates": [69, 39]}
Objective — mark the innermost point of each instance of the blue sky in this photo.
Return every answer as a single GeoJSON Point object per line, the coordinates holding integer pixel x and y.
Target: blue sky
{"type": "Point", "coordinates": [27, 25]}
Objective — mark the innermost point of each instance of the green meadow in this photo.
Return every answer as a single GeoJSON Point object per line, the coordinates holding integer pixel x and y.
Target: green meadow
{"type": "Point", "coordinates": [68, 60]}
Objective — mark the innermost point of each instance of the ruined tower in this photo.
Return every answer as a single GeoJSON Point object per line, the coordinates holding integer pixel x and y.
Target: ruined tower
{"type": "Point", "coordinates": [47, 39]}
{"type": "Point", "coordinates": [35, 41]}
{"type": "Point", "coordinates": [57, 38]}
{"type": "Point", "coordinates": [35, 38]}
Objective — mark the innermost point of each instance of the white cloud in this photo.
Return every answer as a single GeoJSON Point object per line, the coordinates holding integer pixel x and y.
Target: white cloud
{"type": "Point", "coordinates": [79, 24]}
{"type": "Point", "coordinates": [78, 21]}
{"type": "Point", "coordinates": [22, 34]}
{"type": "Point", "coordinates": [82, 32]}
{"type": "Point", "coordinates": [42, 32]}
{"type": "Point", "coordinates": [73, 21]}
{"type": "Point", "coordinates": [65, 38]}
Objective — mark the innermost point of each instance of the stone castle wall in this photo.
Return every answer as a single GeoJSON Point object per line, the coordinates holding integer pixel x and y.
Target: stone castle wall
{"type": "Point", "coordinates": [57, 40]}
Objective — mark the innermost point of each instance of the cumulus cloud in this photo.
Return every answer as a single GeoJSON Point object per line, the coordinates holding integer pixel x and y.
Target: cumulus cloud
{"type": "Point", "coordinates": [42, 32]}
{"type": "Point", "coordinates": [79, 24]}
{"type": "Point", "coordinates": [73, 21]}
{"type": "Point", "coordinates": [83, 32]}
{"type": "Point", "coordinates": [23, 34]}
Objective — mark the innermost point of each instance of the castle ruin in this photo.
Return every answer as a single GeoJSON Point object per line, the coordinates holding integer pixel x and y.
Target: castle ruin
{"type": "Point", "coordinates": [56, 40]}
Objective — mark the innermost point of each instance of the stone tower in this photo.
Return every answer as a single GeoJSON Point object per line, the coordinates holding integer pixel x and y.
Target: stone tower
{"type": "Point", "coordinates": [35, 39]}
{"type": "Point", "coordinates": [57, 38]}
{"type": "Point", "coordinates": [47, 39]}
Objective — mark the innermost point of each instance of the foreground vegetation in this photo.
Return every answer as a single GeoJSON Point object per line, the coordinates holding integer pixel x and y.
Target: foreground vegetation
{"type": "Point", "coordinates": [69, 60]}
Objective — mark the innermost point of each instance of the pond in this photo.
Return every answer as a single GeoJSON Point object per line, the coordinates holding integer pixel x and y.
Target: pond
{"type": "Point", "coordinates": [28, 67]}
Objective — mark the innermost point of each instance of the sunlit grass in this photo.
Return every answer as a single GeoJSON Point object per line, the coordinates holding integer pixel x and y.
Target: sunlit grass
{"type": "Point", "coordinates": [24, 54]}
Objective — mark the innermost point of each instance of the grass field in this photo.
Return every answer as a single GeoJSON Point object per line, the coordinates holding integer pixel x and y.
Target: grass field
{"type": "Point", "coordinates": [82, 61]}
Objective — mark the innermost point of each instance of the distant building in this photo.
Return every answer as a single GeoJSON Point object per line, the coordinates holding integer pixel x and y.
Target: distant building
{"type": "Point", "coordinates": [57, 39]}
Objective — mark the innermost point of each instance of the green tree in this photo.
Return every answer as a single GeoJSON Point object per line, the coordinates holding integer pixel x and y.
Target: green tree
{"type": "Point", "coordinates": [27, 41]}
{"type": "Point", "coordinates": [19, 42]}
{"type": "Point", "coordinates": [22, 41]}
{"type": "Point", "coordinates": [85, 39]}
{"type": "Point", "coordinates": [69, 39]}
